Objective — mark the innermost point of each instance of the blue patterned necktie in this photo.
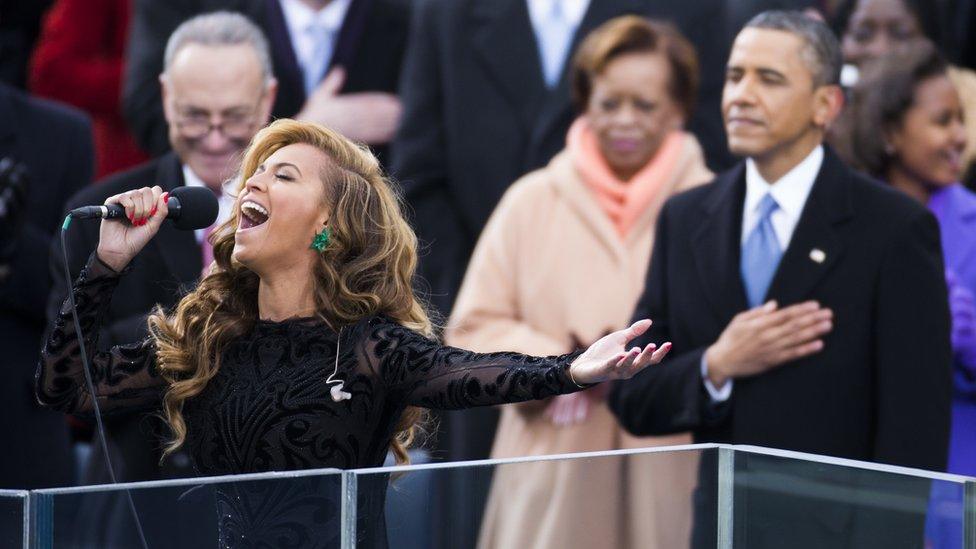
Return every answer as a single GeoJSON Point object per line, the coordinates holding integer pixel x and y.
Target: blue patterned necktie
{"type": "Point", "coordinates": [761, 253]}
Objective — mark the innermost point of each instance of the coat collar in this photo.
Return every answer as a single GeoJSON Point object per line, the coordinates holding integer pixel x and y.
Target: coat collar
{"type": "Point", "coordinates": [566, 180]}
{"type": "Point", "coordinates": [503, 41]}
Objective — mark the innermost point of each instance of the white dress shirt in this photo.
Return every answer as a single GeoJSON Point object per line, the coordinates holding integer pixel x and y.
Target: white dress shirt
{"type": "Point", "coordinates": [304, 27]}
{"type": "Point", "coordinates": [555, 38]}
{"type": "Point", "coordinates": [790, 192]}
{"type": "Point", "coordinates": [225, 202]}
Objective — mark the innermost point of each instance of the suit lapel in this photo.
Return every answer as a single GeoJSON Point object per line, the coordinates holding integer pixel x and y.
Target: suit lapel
{"type": "Point", "coordinates": [351, 33]}
{"type": "Point", "coordinates": [287, 71]}
{"type": "Point", "coordinates": [179, 249]}
{"type": "Point", "coordinates": [716, 243]}
{"type": "Point", "coordinates": [816, 244]}
{"type": "Point", "coordinates": [503, 40]}
{"type": "Point", "coordinates": [557, 104]}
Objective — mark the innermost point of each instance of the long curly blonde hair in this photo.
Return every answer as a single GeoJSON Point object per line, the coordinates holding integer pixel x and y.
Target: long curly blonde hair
{"type": "Point", "coordinates": [366, 269]}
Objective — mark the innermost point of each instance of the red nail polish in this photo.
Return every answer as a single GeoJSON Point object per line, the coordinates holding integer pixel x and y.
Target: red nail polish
{"type": "Point", "coordinates": [153, 211]}
{"type": "Point", "coordinates": [165, 196]}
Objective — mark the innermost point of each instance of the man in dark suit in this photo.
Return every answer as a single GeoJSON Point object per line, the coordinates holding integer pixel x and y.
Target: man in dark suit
{"type": "Point", "coordinates": [217, 95]}
{"type": "Point", "coordinates": [308, 39]}
{"type": "Point", "coordinates": [50, 146]}
{"type": "Point", "coordinates": [818, 293]}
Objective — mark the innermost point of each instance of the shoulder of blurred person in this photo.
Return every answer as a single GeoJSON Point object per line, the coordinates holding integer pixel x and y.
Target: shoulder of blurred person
{"type": "Point", "coordinates": [689, 172]}
{"type": "Point", "coordinates": [120, 182]}
{"type": "Point", "coordinates": [41, 111]}
{"type": "Point", "coordinates": [899, 209]}
{"type": "Point", "coordinates": [691, 169]}
{"type": "Point", "coordinates": [54, 142]}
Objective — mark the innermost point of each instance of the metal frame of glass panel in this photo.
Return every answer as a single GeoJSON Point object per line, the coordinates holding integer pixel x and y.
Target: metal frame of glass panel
{"type": "Point", "coordinates": [24, 496]}
{"type": "Point", "coordinates": [38, 504]}
{"type": "Point", "coordinates": [41, 502]}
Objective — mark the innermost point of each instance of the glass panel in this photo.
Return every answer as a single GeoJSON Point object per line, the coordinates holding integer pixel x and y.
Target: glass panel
{"type": "Point", "coordinates": [787, 499]}
{"type": "Point", "coordinates": [13, 514]}
{"type": "Point", "coordinates": [642, 498]}
{"type": "Point", "coordinates": [300, 509]}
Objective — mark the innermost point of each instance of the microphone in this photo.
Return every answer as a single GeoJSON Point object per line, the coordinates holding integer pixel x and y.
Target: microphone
{"type": "Point", "coordinates": [190, 208]}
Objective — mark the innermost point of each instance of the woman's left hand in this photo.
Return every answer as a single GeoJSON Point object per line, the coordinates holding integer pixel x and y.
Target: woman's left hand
{"type": "Point", "coordinates": [609, 358]}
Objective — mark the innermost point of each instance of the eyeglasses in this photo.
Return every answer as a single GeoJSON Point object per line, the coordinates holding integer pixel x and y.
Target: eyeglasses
{"type": "Point", "coordinates": [196, 124]}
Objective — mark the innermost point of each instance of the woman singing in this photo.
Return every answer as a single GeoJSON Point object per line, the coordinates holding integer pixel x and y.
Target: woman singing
{"type": "Point", "coordinates": [305, 346]}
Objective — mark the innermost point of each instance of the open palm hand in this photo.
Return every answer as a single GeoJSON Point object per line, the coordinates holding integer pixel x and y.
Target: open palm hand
{"type": "Point", "coordinates": [609, 358]}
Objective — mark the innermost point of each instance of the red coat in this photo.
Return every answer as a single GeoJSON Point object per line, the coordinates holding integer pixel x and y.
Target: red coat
{"type": "Point", "coordinates": [79, 59]}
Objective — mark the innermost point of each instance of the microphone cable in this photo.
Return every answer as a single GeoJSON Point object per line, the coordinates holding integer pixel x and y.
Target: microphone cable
{"type": "Point", "coordinates": [91, 386]}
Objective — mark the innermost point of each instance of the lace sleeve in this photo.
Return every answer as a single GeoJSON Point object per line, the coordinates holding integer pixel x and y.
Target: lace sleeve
{"type": "Point", "coordinates": [124, 377]}
{"type": "Point", "coordinates": [431, 375]}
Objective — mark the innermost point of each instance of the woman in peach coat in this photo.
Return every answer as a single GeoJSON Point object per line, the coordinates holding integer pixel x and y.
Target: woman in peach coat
{"type": "Point", "coordinates": [561, 263]}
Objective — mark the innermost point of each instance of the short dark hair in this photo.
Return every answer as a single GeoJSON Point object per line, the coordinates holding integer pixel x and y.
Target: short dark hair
{"type": "Point", "coordinates": [821, 50]}
{"type": "Point", "coordinates": [633, 34]}
{"type": "Point", "coordinates": [883, 95]}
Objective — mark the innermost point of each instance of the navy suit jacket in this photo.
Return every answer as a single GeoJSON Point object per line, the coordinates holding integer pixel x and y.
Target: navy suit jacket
{"type": "Point", "coordinates": [878, 391]}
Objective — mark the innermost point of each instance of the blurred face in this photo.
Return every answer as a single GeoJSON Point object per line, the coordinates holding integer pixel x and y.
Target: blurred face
{"type": "Point", "coordinates": [281, 209]}
{"type": "Point", "coordinates": [877, 27]}
{"type": "Point", "coordinates": [769, 102]}
{"type": "Point", "coordinates": [631, 110]}
{"type": "Point", "coordinates": [215, 100]}
{"type": "Point", "coordinates": [929, 144]}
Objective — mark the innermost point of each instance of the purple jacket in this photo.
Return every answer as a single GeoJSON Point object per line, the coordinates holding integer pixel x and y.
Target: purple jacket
{"type": "Point", "coordinates": [955, 208]}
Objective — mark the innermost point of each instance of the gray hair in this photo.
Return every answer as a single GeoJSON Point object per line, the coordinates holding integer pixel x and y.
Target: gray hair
{"type": "Point", "coordinates": [821, 51]}
{"type": "Point", "coordinates": [220, 28]}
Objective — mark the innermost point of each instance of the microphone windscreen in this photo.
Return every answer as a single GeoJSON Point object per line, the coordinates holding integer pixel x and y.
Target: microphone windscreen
{"type": "Point", "coordinates": [198, 207]}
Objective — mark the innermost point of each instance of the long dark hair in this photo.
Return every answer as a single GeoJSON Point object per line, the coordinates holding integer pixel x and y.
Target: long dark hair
{"type": "Point", "coordinates": [882, 96]}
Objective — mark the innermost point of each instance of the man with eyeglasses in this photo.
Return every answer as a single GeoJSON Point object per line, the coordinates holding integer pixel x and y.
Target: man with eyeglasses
{"type": "Point", "coordinates": [217, 89]}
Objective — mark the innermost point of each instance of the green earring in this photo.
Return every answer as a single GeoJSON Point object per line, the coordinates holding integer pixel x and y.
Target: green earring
{"type": "Point", "coordinates": [321, 240]}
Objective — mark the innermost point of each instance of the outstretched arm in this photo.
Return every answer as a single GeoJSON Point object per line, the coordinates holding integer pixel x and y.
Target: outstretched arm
{"type": "Point", "coordinates": [430, 375]}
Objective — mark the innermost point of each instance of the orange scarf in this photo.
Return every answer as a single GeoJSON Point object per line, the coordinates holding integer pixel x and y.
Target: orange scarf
{"type": "Point", "coordinates": [623, 201]}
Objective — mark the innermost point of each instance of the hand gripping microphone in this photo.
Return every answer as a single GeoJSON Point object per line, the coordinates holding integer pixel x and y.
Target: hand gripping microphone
{"type": "Point", "coordinates": [190, 208]}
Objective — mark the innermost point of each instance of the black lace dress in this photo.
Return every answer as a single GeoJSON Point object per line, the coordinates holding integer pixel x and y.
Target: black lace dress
{"type": "Point", "coordinates": [269, 407]}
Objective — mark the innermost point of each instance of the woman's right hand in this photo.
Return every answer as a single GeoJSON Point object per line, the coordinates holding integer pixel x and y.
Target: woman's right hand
{"type": "Point", "coordinates": [118, 241]}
